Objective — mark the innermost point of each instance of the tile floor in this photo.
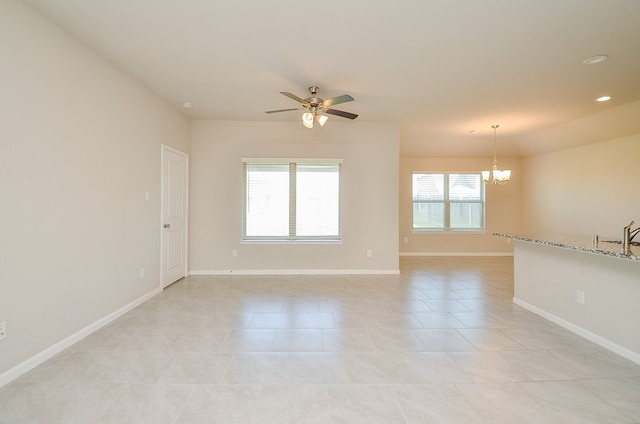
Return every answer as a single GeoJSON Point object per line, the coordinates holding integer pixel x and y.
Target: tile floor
{"type": "Point", "coordinates": [440, 343]}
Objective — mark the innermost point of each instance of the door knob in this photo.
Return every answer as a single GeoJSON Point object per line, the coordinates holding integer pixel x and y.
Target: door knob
{"type": "Point", "coordinates": [167, 225]}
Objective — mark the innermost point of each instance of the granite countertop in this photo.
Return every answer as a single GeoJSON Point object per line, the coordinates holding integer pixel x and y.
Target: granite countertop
{"type": "Point", "coordinates": [582, 243]}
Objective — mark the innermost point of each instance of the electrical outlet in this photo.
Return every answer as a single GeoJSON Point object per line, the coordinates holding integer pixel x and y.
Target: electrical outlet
{"type": "Point", "coordinates": [580, 297]}
{"type": "Point", "coordinates": [369, 253]}
{"type": "Point", "coordinates": [234, 253]}
{"type": "Point", "coordinates": [406, 239]}
{"type": "Point", "coordinates": [143, 272]}
{"type": "Point", "coordinates": [3, 330]}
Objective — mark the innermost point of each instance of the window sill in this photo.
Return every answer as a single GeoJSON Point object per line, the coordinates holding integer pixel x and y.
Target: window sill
{"type": "Point", "coordinates": [298, 242]}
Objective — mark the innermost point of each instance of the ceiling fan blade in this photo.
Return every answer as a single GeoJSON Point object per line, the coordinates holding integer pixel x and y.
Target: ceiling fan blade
{"type": "Point", "coordinates": [293, 96]}
{"type": "Point", "coordinates": [337, 100]}
{"type": "Point", "coordinates": [281, 110]}
{"type": "Point", "coordinates": [341, 113]}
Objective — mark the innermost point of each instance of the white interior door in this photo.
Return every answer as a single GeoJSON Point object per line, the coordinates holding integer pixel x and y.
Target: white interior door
{"type": "Point", "coordinates": [174, 215]}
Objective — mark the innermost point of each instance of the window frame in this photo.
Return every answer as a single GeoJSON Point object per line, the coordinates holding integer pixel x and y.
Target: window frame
{"type": "Point", "coordinates": [292, 164]}
{"type": "Point", "coordinates": [447, 202]}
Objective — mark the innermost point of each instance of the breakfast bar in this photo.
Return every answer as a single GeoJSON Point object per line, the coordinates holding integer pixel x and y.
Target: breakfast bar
{"type": "Point", "coordinates": [587, 284]}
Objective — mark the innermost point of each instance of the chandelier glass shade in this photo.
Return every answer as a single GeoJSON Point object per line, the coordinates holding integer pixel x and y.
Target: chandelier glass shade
{"type": "Point", "coordinates": [496, 176]}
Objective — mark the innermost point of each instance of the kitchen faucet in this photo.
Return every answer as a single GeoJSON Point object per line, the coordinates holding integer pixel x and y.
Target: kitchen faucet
{"type": "Point", "coordinates": [627, 235]}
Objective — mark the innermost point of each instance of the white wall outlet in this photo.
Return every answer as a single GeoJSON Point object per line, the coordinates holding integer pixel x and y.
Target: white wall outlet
{"type": "Point", "coordinates": [580, 297]}
{"type": "Point", "coordinates": [369, 253]}
{"type": "Point", "coordinates": [147, 195]}
{"type": "Point", "coordinates": [406, 239]}
{"type": "Point", "coordinates": [234, 253]}
{"type": "Point", "coordinates": [143, 272]}
{"type": "Point", "coordinates": [3, 330]}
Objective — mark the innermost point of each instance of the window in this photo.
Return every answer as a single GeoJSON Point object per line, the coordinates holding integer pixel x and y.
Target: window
{"type": "Point", "coordinates": [448, 202]}
{"type": "Point", "coordinates": [291, 200]}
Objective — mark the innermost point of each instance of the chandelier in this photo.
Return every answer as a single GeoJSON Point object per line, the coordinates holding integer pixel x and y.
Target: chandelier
{"type": "Point", "coordinates": [496, 176]}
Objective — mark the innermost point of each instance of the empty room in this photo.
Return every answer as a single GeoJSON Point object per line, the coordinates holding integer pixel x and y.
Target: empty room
{"type": "Point", "coordinates": [338, 212]}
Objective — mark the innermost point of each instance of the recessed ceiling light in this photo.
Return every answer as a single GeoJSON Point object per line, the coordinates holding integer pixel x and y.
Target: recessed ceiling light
{"type": "Point", "coordinates": [595, 59]}
{"type": "Point", "coordinates": [187, 105]}
{"type": "Point", "coordinates": [603, 99]}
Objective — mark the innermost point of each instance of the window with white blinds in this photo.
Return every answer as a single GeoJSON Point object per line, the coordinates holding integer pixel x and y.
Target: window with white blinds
{"type": "Point", "coordinates": [291, 200]}
{"type": "Point", "coordinates": [448, 202]}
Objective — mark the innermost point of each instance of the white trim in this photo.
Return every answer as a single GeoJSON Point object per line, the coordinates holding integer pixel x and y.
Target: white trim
{"type": "Point", "coordinates": [290, 240]}
{"type": "Point", "coordinates": [456, 253]}
{"type": "Point", "coordinates": [601, 341]}
{"type": "Point", "coordinates": [173, 150]}
{"type": "Point", "coordinates": [296, 272]}
{"type": "Point", "coordinates": [290, 160]}
{"type": "Point", "coordinates": [63, 344]}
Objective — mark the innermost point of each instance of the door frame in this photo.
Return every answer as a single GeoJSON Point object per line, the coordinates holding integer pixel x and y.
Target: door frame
{"type": "Point", "coordinates": [163, 149]}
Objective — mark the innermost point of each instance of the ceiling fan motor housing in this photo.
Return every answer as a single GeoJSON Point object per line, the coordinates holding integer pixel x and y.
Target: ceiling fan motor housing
{"type": "Point", "coordinates": [313, 101]}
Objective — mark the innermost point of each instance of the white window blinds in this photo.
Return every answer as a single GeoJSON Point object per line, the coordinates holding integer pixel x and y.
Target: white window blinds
{"type": "Point", "coordinates": [291, 199]}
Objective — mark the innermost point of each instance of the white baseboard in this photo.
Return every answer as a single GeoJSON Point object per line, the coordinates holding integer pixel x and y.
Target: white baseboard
{"type": "Point", "coordinates": [600, 341]}
{"type": "Point", "coordinates": [456, 253]}
{"type": "Point", "coordinates": [58, 347]}
{"type": "Point", "coordinates": [296, 272]}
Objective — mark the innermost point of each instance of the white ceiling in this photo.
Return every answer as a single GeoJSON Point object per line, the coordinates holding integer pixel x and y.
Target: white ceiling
{"type": "Point", "coordinates": [444, 70]}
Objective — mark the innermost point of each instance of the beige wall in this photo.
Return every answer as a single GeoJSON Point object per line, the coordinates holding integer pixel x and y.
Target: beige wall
{"type": "Point", "coordinates": [586, 190]}
{"type": "Point", "coordinates": [80, 146]}
{"type": "Point", "coordinates": [591, 189]}
{"type": "Point", "coordinates": [369, 198]}
{"type": "Point", "coordinates": [547, 280]}
{"type": "Point", "coordinates": [503, 209]}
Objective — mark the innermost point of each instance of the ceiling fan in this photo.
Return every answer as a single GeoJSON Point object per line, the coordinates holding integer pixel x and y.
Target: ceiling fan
{"type": "Point", "coordinates": [317, 108]}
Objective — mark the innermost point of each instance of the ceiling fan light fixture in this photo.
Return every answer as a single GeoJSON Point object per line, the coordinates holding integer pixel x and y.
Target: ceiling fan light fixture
{"type": "Point", "coordinates": [307, 119]}
{"type": "Point", "coordinates": [322, 119]}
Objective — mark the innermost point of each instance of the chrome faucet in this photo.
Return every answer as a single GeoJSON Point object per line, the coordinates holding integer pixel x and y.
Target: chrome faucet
{"type": "Point", "coordinates": [627, 235]}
